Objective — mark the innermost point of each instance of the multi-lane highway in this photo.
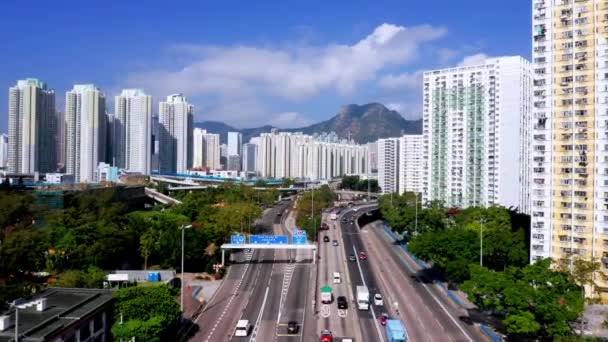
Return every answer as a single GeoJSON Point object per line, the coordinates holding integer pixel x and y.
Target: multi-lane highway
{"type": "Point", "coordinates": [425, 310]}
{"type": "Point", "coordinates": [270, 288]}
{"type": "Point", "coordinates": [265, 287]}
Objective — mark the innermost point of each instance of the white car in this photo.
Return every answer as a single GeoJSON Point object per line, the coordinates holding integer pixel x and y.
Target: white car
{"type": "Point", "coordinates": [378, 300]}
{"type": "Point", "coordinates": [242, 328]}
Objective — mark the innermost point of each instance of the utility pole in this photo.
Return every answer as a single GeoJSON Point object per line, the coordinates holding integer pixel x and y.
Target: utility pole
{"type": "Point", "coordinates": [416, 216]}
{"type": "Point", "coordinates": [481, 242]}
{"type": "Point", "coordinates": [181, 300]}
{"type": "Point", "coordinates": [312, 204]}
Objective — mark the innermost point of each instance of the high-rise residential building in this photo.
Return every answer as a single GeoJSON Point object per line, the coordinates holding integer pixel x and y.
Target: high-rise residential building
{"type": "Point", "coordinates": [60, 143]}
{"type": "Point", "coordinates": [32, 124]}
{"type": "Point", "coordinates": [569, 180]}
{"type": "Point", "coordinates": [372, 149]}
{"type": "Point", "coordinates": [235, 142]}
{"type": "Point", "coordinates": [388, 165]}
{"type": "Point", "coordinates": [155, 140]}
{"type": "Point", "coordinates": [411, 163]}
{"type": "Point", "coordinates": [175, 134]}
{"type": "Point", "coordinates": [133, 130]}
{"type": "Point", "coordinates": [296, 155]}
{"type": "Point", "coordinates": [3, 150]}
{"type": "Point", "coordinates": [476, 125]}
{"type": "Point", "coordinates": [234, 151]}
{"type": "Point", "coordinates": [250, 151]}
{"type": "Point", "coordinates": [206, 150]}
{"type": "Point", "coordinates": [86, 131]}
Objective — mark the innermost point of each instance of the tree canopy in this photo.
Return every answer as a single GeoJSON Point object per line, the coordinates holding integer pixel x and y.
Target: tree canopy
{"type": "Point", "coordinates": [147, 313]}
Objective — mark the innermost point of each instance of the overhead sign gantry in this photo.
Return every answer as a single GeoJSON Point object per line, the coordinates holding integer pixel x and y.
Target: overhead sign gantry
{"type": "Point", "coordinates": [298, 241]}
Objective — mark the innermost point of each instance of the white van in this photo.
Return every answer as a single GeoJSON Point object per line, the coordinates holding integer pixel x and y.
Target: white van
{"type": "Point", "coordinates": [242, 328]}
{"type": "Point", "coordinates": [337, 279]}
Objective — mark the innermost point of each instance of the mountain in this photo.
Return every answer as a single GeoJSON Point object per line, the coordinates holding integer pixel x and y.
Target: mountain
{"type": "Point", "coordinates": [363, 123]}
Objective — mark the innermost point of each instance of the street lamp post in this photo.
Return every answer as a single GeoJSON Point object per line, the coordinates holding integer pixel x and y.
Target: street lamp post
{"type": "Point", "coordinates": [416, 216]}
{"type": "Point", "coordinates": [312, 204]}
{"type": "Point", "coordinates": [16, 324]}
{"type": "Point", "coordinates": [481, 242]}
{"type": "Point", "coordinates": [181, 300]}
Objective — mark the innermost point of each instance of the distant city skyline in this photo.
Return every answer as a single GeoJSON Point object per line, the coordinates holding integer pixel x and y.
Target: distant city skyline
{"type": "Point", "coordinates": [195, 59]}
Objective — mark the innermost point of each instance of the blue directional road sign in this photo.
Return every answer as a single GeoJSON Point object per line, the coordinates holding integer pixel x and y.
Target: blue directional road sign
{"type": "Point", "coordinates": [299, 237]}
{"type": "Point", "coordinates": [268, 239]}
{"type": "Point", "coordinates": [237, 239]}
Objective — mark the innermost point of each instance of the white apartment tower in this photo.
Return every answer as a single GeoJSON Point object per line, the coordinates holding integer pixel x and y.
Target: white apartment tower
{"type": "Point", "coordinates": [476, 126]}
{"type": "Point", "coordinates": [175, 118]}
{"type": "Point", "coordinates": [31, 127]}
{"type": "Point", "coordinates": [411, 163]}
{"type": "Point", "coordinates": [206, 149]}
{"type": "Point", "coordinates": [250, 151]}
{"type": "Point", "coordinates": [234, 151]}
{"type": "Point", "coordinates": [85, 131]}
{"type": "Point", "coordinates": [3, 150]}
{"type": "Point", "coordinates": [296, 155]}
{"type": "Point", "coordinates": [569, 187]}
{"type": "Point", "coordinates": [133, 130]}
{"type": "Point", "coordinates": [388, 165]}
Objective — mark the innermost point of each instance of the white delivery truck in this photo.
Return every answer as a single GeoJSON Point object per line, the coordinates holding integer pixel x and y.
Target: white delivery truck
{"type": "Point", "coordinates": [362, 297]}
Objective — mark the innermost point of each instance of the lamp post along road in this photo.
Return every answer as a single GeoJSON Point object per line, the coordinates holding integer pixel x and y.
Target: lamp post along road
{"type": "Point", "coordinates": [481, 242]}
{"type": "Point", "coordinates": [181, 300]}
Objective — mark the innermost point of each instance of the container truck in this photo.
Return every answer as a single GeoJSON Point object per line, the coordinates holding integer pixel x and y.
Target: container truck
{"type": "Point", "coordinates": [362, 297]}
{"type": "Point", "coordinates": [395, 331]}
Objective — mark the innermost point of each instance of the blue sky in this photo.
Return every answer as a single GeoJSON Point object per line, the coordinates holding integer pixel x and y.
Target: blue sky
{"type": "Point", "coordinates": [249, 63]}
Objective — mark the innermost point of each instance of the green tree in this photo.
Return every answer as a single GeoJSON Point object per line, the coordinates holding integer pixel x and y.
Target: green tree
{"type": "Point", "coordinates": [147, 243]}
{"type": "Point", "coordinates": [93, 277]}
{"type": "Point", "coordinates": [148, 313]}
{"type": "Point", "coordinates": [532, 301]}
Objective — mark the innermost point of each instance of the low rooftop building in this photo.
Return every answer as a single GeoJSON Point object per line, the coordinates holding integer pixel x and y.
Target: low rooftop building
{"type": "Point", "coordinates": [61, 314]}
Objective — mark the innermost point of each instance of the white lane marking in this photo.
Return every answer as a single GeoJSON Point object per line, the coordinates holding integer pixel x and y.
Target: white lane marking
{"type": "Point", "coordinates": [437, 301]}
{"type": "Point", "coordinates": [325, 311]}
{"type": "Point", "coordinates": [342, 313]}
{"type": "Point", "coordinates": [370, 306]}
{"type": "Point", "coordinates": [236, 290]}
{"type": "Point", "coordinates": [257, 322]}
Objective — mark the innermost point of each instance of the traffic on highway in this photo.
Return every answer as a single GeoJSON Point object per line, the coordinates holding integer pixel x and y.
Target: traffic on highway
{"type": "Point", "coordinates": [356, 286]}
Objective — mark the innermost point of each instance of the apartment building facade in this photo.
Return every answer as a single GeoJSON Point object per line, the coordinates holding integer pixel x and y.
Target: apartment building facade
{"type": "Point", "coordinates": [206, 150]}
{"type": "Point", "coordinates": [32, 124]}
{"type": "Point", "coordinates": [85, 131]}
{"type": "Point", "coordinates": [133, 130]}
{"type": "Point", "coordinates": [476, 125]}
{"type": "Point", "coordinates": [569, 180]}
{"type": "Point", "coordinates": [175, 120]}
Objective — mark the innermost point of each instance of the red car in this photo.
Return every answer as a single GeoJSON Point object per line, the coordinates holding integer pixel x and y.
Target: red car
{"type": "Point", "coordinates": [326, 336]}
{"type": "Point", "coordinates": [383, 318]}
{"type": "Point", "coordinates": [362, 256]}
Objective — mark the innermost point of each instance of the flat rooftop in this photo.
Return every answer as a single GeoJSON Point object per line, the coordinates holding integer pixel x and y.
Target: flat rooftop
{"type": "Point", "coordinates": [65, 306]}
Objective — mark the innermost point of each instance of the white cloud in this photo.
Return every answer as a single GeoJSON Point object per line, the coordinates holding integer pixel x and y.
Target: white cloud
{"type": "Point", "coordinates": [475, 59]}
{"type": "Point", "coordinates": [408, 110]}
{"type": "Point", "coordinates": [292, 73]}
{"type": "Point", "coordinates": [405, 80]}
{"type": "Point", "coordinates": [290, 120]}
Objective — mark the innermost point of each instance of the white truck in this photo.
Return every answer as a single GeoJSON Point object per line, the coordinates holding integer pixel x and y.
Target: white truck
{"type": "Point", "coordinates": [362, 297]}
{"type": "Point", "coordinates": [326, 296]}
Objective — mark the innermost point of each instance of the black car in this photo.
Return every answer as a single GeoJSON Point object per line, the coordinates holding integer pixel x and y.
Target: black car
{"type": "Point", "coordinates": [326, 238]}
{"type": "Point", "coordinates": [292, 327]}
{"type": "Point", "coordinates": [342, 303]}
